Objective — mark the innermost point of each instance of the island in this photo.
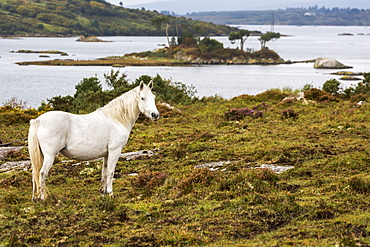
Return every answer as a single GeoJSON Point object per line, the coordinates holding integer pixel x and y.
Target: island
{"type": "Point", "coordinates": [189, 52]}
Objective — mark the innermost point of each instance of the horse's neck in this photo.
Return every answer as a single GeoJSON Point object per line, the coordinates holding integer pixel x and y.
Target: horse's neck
{"type": "Point", "coordinates": [124, 109]}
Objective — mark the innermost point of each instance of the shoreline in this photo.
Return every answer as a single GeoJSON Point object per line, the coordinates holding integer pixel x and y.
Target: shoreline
{"type": "Point", "coordinates": [147, 62]}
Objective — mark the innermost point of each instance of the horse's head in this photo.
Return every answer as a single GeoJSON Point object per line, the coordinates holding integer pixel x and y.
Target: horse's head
{"type": "Point", "coordinates": [147, 101]}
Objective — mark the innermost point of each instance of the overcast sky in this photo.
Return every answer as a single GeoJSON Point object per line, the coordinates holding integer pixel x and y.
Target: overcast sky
{"type": "Point", "coordinates": [188, 6]}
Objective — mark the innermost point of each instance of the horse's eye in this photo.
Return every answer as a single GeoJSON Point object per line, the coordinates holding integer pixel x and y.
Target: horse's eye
{"type": "Point", "coordinates": [142, 98]}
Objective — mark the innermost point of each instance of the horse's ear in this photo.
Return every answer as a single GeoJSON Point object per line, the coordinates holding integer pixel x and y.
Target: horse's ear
{"type": "Point", "coordinates": [141, 85]}
{"type": "Point", "coordinates": [150, 84]}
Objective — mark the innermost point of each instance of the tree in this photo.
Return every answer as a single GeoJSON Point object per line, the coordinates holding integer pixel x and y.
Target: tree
{"type": "Point", "coordinates": [241, 35]}
{"type": "Point", "coordinates": [268, 37]}
{"type": "Point", "coordinates": [159, 21]}
{"type": "Point", "coordinates": [88, 84]}
{"type": "Point", "coordinates": [115, 81]}
{"type": "Point", "coordinates": [331, 86]}
{"type": "Point", "coordinates": [208, 45]}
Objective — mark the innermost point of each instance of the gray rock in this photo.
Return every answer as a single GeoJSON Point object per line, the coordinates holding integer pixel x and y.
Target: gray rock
{"type": "Point", "coordinates": [329, 63]}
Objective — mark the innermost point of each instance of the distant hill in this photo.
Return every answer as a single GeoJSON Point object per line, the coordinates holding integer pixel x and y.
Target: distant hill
{"type": "Point", "coordinates": [84, 17]}
{"type": "Point", "coordinates": [289, 16]}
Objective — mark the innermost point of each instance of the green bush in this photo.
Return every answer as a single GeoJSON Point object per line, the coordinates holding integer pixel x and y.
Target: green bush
{"type": "Point", "coordinates": [89, 94]}
{"type": "Point", "coordinates": [88, 84]}
{"type": "Point", "coordinates": [331, 86]}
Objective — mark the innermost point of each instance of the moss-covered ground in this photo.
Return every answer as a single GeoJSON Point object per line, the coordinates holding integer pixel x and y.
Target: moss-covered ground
{"type": "Point", "coordinates": [323, 201]}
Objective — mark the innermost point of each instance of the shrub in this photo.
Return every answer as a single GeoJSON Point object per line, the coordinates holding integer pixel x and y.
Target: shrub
{"type": "Point", "coordinates": [168, 91]}
{"type": "Point", "coordinates": [289, 113]}
{"type": "Point", "coordinates": [89, 94]}
{"type": "Point", "coordinates": [359, 185]}
{"type": "Point", "coordinates": [88, 84]}
{"type": "Point", "coordinates": [149, 181]}
{"type": "Point", "coordinates": [236, 114]}
{"type": "Point", "coordinates": [115, 81]}
{"type": "Point", "coordinates": [319, 95]}
{"type": "Point", "coordinates": [10, 115]}
{"type": "Point", "coordinates": [331, 86]}
{"type": "Point", "coordinates": [208, 45]}
{"type": "Point", "coordinates": [271, 95]}
{"type": "Point", "coordinates": [197, 177]}
{"type": "Point", "coordinates": [60, 103]}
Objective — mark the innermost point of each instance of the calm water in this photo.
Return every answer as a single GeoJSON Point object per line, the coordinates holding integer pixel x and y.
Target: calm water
{"type": "Point", "coordinates": [38, 83]}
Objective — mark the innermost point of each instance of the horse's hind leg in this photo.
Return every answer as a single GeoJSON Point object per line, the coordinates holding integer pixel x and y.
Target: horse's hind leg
{"type": "Point", "coordinates": [104, 173]}
{"type": "Point", "coordinates": [48, 162]}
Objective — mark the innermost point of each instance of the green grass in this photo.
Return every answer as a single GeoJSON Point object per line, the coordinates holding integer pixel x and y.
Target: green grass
{"type": "Point", "coordinates": [322, 201]}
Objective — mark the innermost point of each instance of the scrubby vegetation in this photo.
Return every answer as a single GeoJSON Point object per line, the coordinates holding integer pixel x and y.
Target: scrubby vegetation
{"type": "Point", "coordinates": [89, 93]}
{"type": "Point", "coordinates": [163, 200]}
{"type": "Point", "coordinates": [193, 50]}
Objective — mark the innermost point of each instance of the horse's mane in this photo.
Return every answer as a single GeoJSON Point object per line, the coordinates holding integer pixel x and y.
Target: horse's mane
{"type": "Point", "coordinates": [123, 108]}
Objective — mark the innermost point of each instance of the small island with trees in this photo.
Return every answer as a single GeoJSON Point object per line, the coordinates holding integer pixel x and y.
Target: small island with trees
{"type": "Point", "coordinates": [187, 49]}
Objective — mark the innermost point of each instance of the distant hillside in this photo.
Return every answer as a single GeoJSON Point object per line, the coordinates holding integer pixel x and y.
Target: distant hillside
{"type": "Point", "coordinates": [84, 17]}
{"type": "Point", "coordinates": [290, 16]}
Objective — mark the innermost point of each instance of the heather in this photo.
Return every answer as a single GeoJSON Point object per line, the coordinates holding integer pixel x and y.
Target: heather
{"type": "Point", "coordinates": [163, 200]}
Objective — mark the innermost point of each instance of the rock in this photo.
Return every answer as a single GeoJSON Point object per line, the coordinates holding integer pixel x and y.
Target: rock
{"type": "Point", "coordinates": [275, 168]}
{"type": "Point", "coordinates": [212, 166]}
{"type": "Point", "coordinates": [90, 39]}
{"type": "Point", "coordinates": [9, 151]}
{"type": "Point", "coordinates": [350, 78]}
{"type": "Point", "coordinates": [329, 63]}
{"type": "Point", "coordinates": [23, 165]}
{"type": "Point", "coordinates": [349, 73]}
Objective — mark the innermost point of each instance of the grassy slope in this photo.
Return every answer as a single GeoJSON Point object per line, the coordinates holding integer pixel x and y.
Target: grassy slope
{"type": "Point", "coordinates": [323, 201]}
{"type": "Point", "coordinates": [80, 17]}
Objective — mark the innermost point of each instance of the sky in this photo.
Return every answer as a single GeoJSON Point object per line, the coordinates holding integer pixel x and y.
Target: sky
{"type": "Point", "coordinates": [189, 6]}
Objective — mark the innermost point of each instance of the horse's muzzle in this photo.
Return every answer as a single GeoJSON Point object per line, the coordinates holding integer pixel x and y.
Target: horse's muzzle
{"type": "Point", "coordinates": [155, 115]}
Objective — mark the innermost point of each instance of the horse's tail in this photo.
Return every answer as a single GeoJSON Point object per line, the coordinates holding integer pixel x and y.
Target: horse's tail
{"type": "Point", "coordinates": [37, 158]}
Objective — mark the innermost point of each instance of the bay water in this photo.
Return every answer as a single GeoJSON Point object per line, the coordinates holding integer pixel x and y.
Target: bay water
{"type": "Point", "coordinates": [35, 84]}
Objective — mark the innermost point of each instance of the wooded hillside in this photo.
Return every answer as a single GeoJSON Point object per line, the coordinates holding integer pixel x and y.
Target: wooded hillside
{"type": "Point", "coordinates": [84, 17]}
{"type": "Point", "coordinates": [290, 16]}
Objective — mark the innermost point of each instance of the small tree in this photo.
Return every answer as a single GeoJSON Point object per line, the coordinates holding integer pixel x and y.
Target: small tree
{"type": "Point", "coordinates": [364, 86]}
{"type": "Point", "coordinates": [115, 81]}
{"type": "Point", "coordinates": [208, 45]}
{"type": "Point", "coordinates": [331, 86]}
{"type": "Point", "coordinates": [88, 84]}
{"type": "Point", "coordinates": [268, 37]}
{"type": "Point", "coordinates": [241, 35]}
{"type": "Point", "coordinates": [163, 20]}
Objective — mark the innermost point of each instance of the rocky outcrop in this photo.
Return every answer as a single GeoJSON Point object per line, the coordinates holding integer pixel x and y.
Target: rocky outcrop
{"type": "Point", "coordinates": [329, 63]}
{"type": "Point", "coordinates": [181, 55]}
{"type": "Point", "coordinates": [90, 39]}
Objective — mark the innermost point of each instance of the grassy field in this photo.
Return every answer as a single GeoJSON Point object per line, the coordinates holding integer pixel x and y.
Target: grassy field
{"type": "Point", "coordinates": [323, 201]}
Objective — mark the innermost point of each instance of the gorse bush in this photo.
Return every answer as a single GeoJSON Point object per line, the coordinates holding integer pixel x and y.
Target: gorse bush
{"type": "Point", "coordinates": [89, 93]}
{"type": "Point", "coordinates": [15, 113]}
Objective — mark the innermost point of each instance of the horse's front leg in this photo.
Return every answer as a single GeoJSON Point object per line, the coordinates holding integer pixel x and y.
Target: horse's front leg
{"type": "Point", "coordinates": [109, 166]}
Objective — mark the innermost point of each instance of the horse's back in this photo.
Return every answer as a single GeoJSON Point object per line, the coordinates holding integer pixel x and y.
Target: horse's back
{"type": "Point", "coordinates": [81, 137]}
{"type": "Point", "coordinates": [54, 122]}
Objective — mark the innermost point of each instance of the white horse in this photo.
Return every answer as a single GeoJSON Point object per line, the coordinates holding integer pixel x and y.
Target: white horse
{"type": "Point", "coordinates": [102, 133]}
